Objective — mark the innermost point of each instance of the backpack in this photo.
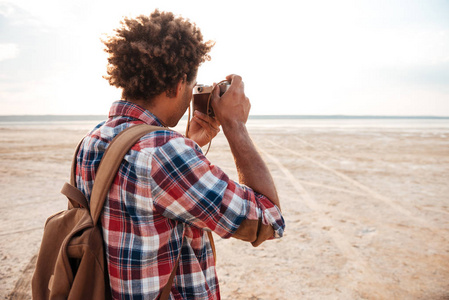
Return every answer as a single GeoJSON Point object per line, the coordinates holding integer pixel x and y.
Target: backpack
{"type": "Point", "coordinates": [71, 263]}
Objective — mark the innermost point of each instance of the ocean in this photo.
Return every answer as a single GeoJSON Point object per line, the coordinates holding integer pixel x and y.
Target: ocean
{"type": "Point", "coordinates": [86, 122]}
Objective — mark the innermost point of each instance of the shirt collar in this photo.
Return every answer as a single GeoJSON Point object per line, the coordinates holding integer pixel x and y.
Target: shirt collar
{"type": "Point", "coordinates": [129, 109]}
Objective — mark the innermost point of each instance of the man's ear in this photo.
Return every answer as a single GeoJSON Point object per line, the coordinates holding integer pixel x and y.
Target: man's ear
{"type": "Point", "coordinates": [181, 84]}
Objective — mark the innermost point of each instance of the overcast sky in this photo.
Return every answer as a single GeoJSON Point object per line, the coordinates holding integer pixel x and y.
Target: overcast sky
{"type": "Point", "coordinates": [296, 57]}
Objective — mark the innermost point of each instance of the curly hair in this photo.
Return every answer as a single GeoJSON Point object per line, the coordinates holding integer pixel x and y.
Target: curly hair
{"type": "Point", "coordinates": [148, 55]}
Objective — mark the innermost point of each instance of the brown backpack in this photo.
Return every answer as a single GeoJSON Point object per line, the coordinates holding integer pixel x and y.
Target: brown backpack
{"type": "Point", "coordinates": [71, 263]}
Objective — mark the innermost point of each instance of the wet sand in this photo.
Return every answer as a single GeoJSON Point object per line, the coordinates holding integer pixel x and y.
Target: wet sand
{"type": "Point", "coordinates": [367, 211]}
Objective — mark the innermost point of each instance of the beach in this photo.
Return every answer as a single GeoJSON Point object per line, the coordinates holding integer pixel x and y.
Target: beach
{"type": "Point", "coordinates": [366, 205]}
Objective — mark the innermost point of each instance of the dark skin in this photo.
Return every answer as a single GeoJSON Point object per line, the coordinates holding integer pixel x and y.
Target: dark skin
{"type": "Point", "coordinates": [231, 112]}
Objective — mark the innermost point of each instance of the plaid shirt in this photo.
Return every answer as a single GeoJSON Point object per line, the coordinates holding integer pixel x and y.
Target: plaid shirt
{"type": "Point", "coordinates": [164, 198]}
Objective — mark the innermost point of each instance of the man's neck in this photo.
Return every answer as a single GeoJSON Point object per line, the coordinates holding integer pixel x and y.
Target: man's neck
{"type": "Point", "coordinates": [159, 106]}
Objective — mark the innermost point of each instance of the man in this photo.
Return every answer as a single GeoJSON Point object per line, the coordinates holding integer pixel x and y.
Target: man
{"type": "Point", "coordinates": [166, 194]}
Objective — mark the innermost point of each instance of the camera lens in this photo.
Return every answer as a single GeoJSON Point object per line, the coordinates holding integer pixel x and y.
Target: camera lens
{"type": "Point", "coordinates": [199, 89]}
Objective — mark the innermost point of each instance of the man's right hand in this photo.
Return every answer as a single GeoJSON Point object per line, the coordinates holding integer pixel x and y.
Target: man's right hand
{"type": "Point", "coordinates": [232, 108]}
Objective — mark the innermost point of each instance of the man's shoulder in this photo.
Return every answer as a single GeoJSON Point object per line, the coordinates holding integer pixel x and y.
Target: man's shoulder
{"type": "Point", "coordinates": [165, 138]}
{"type": "Point", "coordinates": [158, 138]}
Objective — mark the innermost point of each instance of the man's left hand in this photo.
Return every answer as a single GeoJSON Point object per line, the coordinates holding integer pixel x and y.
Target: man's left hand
{"type": "Point", "coordinates": [203, 128]}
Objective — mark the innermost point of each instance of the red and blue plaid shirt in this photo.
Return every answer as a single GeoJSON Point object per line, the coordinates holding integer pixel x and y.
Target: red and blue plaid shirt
{"type": "Point", "coordinates": [164, 198]}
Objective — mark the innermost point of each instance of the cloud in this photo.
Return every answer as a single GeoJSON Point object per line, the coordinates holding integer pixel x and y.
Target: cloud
{"type": "Point", "coordinates": [318, 54]}
{"type": "Point", "coordinates": [18, 16]}
{"type": "Point", "coordinates": [6, 9]}
{"type": "Point", "coordinates": [8, 51]}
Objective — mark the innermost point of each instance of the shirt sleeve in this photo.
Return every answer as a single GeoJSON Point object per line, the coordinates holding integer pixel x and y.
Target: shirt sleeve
{"type": "Point", "coordinates": [188, 188]}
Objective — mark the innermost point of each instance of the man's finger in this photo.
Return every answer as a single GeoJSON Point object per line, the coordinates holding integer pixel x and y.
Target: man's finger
{"type": "Point", "coordinates": [216, 91]}
{"type": "Point", "coordinates": [207, 126]}
{"type": "Point", "coordinates": [236, 81]}
{"type": "Point", "coordinates": [234, 78]}
{"type": "Point", "coordinates": [265, 232]}
{"type": "Point", "coordinates": [210, 120]}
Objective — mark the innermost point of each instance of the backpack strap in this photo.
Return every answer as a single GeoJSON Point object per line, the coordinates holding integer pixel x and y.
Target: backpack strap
{"type": "Point", "coordinates": [75, 196]}
{"type": "Point", "coordinates": [76, 199]}
{"type": "Point", "coordinates": [73, 167]}
{"type": "Point", "coordinates": [212, 244]}
{"type": "Point", "coordinates": [123, 143]}
{"type": "Point", "coordinates": [110, 163]}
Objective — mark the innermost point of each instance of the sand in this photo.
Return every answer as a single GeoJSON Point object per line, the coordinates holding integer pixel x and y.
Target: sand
{"type": "Point", "coordinates": [367, 211]}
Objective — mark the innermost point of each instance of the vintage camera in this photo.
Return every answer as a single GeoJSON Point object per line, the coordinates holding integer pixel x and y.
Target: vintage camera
{"type": "Point", "coordinates": [202, 94]}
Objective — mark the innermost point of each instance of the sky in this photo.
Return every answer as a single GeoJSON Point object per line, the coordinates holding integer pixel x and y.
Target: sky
{"type": "Point", "coordinates": [386, 57]}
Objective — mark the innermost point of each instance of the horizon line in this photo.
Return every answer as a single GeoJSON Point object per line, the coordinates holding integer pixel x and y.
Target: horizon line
{"type": "Point", "coordinates": [256, 116]}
